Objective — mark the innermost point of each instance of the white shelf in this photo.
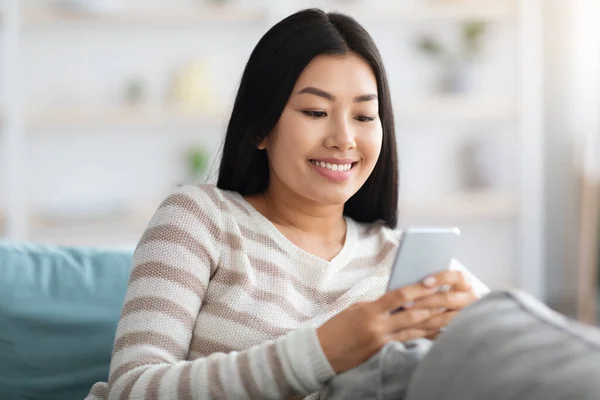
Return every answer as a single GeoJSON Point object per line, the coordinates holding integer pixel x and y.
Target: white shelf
{"type": "Point", "coordinates": [131, 220]}
{"type": "Point", "coordinates": [124, 218]}
{"type": "Point", "coordinates": [61, 117]}
{"type": "Point", "coordinates": [456, 109]}
{"type": "Point", "coordinates": [97, 236]}
{"type": "Point", "coordinates": [433, 10]}
{"type": "Point", "coordinates": [461, 205]}
{"type": "Point", "coordinates": [433, 109]}
{"type": "Point", "coordinates": [119, 224]}
{"type": "Point", "coordinates": [135, 216]}
{"type": "Point", "coordinates": [436, 10]}
{"type": "Point", "coordinates": [148, 18]}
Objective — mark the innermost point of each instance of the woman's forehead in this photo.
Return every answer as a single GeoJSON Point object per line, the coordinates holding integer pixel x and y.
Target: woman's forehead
{"type": "Point", "coordinates": [345, 75]}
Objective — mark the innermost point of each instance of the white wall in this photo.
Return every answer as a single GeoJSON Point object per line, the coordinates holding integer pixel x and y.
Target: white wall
{"type": "Point", "coordinates": [571, 100]}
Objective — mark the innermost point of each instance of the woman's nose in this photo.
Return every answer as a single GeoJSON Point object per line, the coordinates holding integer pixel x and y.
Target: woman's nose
{"type": "Point", "coordinates": [341, 137]}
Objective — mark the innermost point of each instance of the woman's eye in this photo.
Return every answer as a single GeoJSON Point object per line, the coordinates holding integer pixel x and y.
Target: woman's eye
{"type": "Point", "coordinates": [315, 114]}
{"type": "Point", "coordinates": [365, 118]}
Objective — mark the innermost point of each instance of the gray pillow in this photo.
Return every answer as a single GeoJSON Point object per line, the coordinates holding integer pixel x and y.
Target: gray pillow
{"type": "Point", "coordinates": [509, 345]}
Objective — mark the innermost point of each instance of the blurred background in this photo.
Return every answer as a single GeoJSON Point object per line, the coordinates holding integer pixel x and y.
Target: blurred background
{"type": "Point", "coordinates": [108, 105]}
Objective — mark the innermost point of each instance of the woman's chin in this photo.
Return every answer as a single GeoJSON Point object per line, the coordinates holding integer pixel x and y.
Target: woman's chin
{"type": "Point", "coordinates": [333, 197]}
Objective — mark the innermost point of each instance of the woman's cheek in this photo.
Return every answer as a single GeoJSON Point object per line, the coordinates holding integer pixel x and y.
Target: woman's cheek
{"type": "Point", "coordinates": [372, 147]}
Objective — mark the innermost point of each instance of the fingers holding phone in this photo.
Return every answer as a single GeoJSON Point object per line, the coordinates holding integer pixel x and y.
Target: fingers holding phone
{"type": "Point", "coordinates": [358, 332]}
{"type": "Point", "coordinates": [412, 307]}
{"type": "Point", "coordinates": [425, 255]}
{"type": "Point", "coordinates": [458, 294]}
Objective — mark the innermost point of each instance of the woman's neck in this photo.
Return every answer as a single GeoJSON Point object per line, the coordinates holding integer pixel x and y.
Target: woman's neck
{"type": "Point", "coordinates": [291, 211]}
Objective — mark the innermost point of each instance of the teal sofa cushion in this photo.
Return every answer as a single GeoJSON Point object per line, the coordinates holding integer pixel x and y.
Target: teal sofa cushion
{"type": "Point", "coordinates": [59, 308]}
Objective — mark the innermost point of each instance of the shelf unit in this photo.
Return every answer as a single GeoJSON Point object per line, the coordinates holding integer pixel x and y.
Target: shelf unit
{"type": "Point", "coordinates": [457, 108]}
{"type": "Point", "coordinates": [525, 207]}
{"type": "Point", "coordinates": [130, 220]}
{"type": "Point", "coordinates": [476, 204]}
{"type": "Point", "coordinates": [125, 115]}
{"type": "Point", "coordinates": [464, 109]}
{"type": "Point", "coordinates": [436, 10]}
{"type": "Point", "coordinates": [481, 205]}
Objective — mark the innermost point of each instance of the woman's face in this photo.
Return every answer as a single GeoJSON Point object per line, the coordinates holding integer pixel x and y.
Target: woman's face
{"type": "Point", "coordinates": [328, 138]}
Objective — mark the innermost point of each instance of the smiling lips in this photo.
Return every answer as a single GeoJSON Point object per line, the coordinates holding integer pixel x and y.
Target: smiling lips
{"type": "Point", "coordinates": [336, 170]}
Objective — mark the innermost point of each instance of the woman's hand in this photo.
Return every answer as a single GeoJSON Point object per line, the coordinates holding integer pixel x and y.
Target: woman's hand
{"type": "Point", "coordinates": [355, 334]}
{"type": "Point", "coordinates": [456, 295]}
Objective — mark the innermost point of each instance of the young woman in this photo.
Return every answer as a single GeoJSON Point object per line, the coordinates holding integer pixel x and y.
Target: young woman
{"type": "Point", "coordinates": [272, 282]}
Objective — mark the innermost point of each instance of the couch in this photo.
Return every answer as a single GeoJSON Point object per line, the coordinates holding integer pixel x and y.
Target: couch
{"type": "Point", "coordinates": [59, 307]}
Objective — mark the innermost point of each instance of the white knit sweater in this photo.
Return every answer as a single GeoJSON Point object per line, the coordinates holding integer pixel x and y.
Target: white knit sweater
{"type": "Point", "coordinates": [221, 305]}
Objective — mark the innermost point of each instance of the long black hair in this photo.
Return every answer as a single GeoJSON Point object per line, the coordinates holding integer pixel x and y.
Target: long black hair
{"type": "Point", "coordinates": [275, 64]}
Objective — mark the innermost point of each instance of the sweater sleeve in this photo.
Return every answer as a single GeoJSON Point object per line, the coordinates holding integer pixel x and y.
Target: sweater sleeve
{"type": "Point", "coordinates": [172, 266]}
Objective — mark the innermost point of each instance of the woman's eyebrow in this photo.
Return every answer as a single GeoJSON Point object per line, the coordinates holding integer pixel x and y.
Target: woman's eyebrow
{"type": "Point", "coordinates": [317, 92]}
{"type": "Point", "coordinates": [365, 97]}
{"type": "Point", "coordinates": [326, 95]}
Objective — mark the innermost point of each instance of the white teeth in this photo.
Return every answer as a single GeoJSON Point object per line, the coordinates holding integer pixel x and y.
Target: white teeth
{"type": "Point", "coordinates": [333, 167]}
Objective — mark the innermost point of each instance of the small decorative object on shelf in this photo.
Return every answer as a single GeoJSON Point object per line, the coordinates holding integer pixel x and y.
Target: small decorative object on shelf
{"type": "Point", "coordinates": [480, 163]}
{"type": "Point", "coordinates": [135, 91]}
{"type": "Point", "coordinates": [192, 88]}
{"type": "Point", "coordinates": [197, 160]}
{"type": "Point", "coordinates": [455, 66]}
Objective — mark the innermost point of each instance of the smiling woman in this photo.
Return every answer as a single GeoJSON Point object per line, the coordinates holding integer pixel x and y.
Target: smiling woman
{"type": "Point", "coordinates": [326, 68]}
{"type": "Point", "coordinates": [329, 132]}
{"type": "Point", "coordinates": [272, 282]}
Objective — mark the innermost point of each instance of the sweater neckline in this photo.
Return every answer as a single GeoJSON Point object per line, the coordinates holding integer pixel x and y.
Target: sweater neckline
{"type": "Point", "coordinates": [340, 259]}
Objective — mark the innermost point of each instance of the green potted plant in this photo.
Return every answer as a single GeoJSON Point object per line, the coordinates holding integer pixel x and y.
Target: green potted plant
{"type": "Point", "coordinates": [455, 64]}
{"type": "Point", "coordinates": [197, 162]}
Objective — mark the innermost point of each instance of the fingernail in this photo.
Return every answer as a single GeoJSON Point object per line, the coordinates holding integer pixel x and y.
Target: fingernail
{"type": "Point", "coordinates": [409, 304]}
{"type": "Point", "coordinates": [429, 281]}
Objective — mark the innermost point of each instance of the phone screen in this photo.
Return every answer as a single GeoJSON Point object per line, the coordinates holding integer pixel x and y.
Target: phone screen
{"type": "Point", "coordinates": [422, 252]}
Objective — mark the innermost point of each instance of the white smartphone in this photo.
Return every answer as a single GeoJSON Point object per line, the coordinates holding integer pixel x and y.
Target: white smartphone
{"type": "Point", "coordinates": [422, 252]}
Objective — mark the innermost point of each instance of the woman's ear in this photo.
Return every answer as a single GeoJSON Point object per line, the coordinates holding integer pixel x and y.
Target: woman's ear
{"type": "Point", "coordinates": [263, 144]}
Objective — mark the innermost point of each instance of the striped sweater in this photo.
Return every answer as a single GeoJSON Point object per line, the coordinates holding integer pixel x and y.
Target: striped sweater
{"type": "Point", "coordinates": [220, 304]}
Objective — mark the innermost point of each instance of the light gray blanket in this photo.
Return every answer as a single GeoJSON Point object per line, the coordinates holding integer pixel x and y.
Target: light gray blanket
{"type": "Point", "coordinates": [385, 376]}
{"type": "Point", "coordinates": [506, 346]}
